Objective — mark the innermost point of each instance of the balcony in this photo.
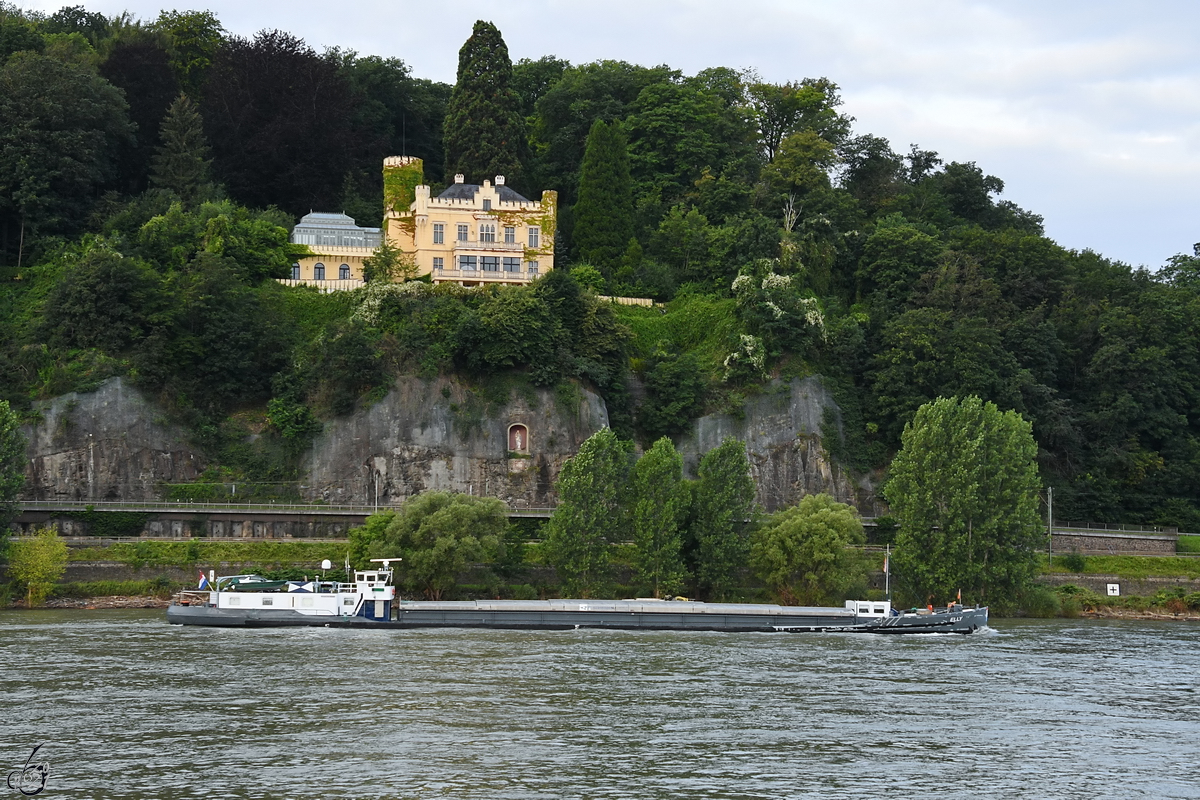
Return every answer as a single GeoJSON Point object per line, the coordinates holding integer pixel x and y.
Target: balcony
{"type": "Point", "coordinates": [473, 247]}
{"type": "Point", "coordinates": [480, 276]}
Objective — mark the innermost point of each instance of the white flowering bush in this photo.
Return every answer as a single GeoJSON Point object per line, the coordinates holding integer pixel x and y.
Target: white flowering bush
{"type": "Point", "coordinates": [748, 361]}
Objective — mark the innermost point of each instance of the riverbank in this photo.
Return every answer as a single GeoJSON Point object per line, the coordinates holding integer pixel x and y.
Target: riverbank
{"type": "Point", "coordinates": [118, 601]}
{"type": "Point", "coordinates": [1129, 613]}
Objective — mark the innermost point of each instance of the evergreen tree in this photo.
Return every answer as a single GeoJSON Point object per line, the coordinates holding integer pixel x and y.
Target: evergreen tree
{"type": "Point", "coordinates": [180, 165]}
{"type": "Point", "coordinates": [604, 213]}
{"type": "Point", "coordinates": [484, 131]}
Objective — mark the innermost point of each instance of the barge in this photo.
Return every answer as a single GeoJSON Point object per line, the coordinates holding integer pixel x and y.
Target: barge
{"type": "Point", "coordinates": [369, 601]}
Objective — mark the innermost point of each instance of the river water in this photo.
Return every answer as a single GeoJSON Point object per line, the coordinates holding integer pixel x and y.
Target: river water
{"type": "Point", "coordinates": [127, 706]}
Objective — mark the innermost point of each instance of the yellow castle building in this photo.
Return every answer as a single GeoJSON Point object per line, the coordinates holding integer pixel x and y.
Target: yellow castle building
{"type": "Point", "coordinates": [470, 234]}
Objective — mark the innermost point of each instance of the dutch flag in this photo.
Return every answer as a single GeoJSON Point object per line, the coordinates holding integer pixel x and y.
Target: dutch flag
{"type": "Point", "coordinates": [203, 581]}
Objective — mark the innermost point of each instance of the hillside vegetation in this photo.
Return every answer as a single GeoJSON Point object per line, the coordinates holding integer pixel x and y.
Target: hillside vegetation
{"type": "Point", "coordinates": [150, 172]}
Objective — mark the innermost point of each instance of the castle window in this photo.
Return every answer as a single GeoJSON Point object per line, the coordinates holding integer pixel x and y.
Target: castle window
{"type": "Point", "coordinates": [462, 232]}
{"type": "Point", "coordinates": [439, 233]}
{"type": "Point", "coordinates": [487, 233]}
{"type": "Point", "coordinates": [295, 272]}
{"type": "Point", "coordinates": [438, 262]}
{"type": "Point", "coordinates": [466, 263]}
{"type": "Point", "coordinates": [487, 204]}
{"type": "Point", "coordinates": [510, 235]}
{"type": "Point", "coordinates": [490, 263]}
{"type": "Point", "coordinates": [532, 266]}
{"type": "Point", "coordinates": [512, 265]}
{"type": "Point", "coordinates": [318, 272]}
{"type": "Point", "coordinates": [344, 272]}
{"type": "Point", "coordinates": [535, 236]}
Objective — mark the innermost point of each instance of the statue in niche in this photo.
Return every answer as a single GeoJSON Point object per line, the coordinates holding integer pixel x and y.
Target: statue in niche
{"type": "Point", "coordinates": [518, 439]}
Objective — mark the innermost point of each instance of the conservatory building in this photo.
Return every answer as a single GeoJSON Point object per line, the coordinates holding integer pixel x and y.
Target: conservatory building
{"type": "Point", "coordinates": [338, 246]}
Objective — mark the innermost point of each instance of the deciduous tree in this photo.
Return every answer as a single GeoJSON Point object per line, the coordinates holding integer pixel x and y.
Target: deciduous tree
{"type": "Point", "coordinates": [722, 509]}
{"type": "Point", "coordinates": [965, 489]}
{"type": "Point", "coordinates": [12, 467]}
{"type": "Point", "coordinates": [804, 553]}
{"type": "Point", "coordinates": [438, 534]}
{"type": "Point", "coordinates": [660, 501]}
{"type": "Point", "coordinates": [592, 513]}
{"type": "Point", "coordinates": [38, 562]}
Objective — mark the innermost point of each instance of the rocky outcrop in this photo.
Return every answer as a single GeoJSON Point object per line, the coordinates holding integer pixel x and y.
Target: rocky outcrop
{"type": "Point", "coordinates": [439, 435]}
{"type": "Point", "coordinates": [110, 444]}
{"type": "Point", "coordinates": [782, 431]}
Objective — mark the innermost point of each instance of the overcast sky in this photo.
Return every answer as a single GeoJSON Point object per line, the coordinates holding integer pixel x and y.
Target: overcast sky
{"type": "Point", "coordinates": [1088, 111]}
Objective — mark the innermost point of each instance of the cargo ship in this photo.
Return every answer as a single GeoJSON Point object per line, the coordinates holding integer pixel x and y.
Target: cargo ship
{"type": "Point", "coordinates": [369, 601]}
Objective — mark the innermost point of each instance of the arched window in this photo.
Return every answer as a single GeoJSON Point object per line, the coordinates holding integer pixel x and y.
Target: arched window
{"type": "Point", "coordinates": [487, 233]}
{"type": "Point", "coordinates": [296, 271]}
{"type": "Point", "coordinates": [318, 272]}
{"type": "Point", "coordinates": [518, 438]}
{"type": "Point", "coordinates": [344, 272]}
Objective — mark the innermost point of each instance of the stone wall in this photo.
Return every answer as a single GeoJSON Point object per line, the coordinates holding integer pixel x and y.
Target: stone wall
{"type": "Point", "coordinates": [1112, 543]}
{"type": "Point", "coordinates": [782, 431]}
{"type": "Point", "coordinates": [1143, 587]}
{"type": "Point", "coordinates": [438, 435]}
{"type": "Point", "coordinates": [108, 444]}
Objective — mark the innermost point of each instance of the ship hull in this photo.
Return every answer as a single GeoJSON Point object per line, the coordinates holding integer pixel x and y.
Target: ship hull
{"type": "Point", "coordinates": [611, 615]}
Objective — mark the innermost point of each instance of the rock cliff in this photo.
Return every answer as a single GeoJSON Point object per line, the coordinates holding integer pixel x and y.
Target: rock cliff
{"type": "Point", "coordinates": [439, 435]}
{"type": "Point", "coordinates": [113, 444]}
{"type": "Point", "coordinates": [782, 431]}
{"type": "Point", "coordinates": [110, 444]}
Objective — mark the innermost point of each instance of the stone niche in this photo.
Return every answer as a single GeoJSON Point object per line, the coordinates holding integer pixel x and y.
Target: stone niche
{"type": "Point", "coordinates": [437, 435]}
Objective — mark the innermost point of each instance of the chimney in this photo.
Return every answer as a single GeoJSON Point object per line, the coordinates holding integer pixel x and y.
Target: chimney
{"type": "Point", "coordinates": [458, 178]}
{"type": "Point", "coordinates": [499, 180]}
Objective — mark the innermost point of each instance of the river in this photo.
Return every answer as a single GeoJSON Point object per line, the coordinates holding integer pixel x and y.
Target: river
{"type": "Point", "coordinates": [126, 706]}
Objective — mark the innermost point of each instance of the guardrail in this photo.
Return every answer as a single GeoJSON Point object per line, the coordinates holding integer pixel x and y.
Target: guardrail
{"type": "Point", "coordinates": [184, 506]}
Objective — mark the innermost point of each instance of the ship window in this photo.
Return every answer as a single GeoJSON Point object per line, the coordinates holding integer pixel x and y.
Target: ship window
{"type": "Point", "coordinates": [306, 602]}
{"type": "Point", "coordinates": [268, 601]}
{"type": "Point", "coordinates": [235, 601]}
{"type": "Point", "coordinates": [347, 601]}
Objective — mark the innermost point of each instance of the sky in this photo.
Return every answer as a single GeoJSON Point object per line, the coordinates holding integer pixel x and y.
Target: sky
{"type": "Point", "coordinates": [1088, 111]}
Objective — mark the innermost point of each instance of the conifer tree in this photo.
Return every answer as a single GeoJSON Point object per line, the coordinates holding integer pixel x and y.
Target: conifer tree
{"type": "Point", "coordinates": [181, 165]}
{"type": "Point", "coordinates": [604, 212]}
{"type": "Point", "coordinates": [484, 132]}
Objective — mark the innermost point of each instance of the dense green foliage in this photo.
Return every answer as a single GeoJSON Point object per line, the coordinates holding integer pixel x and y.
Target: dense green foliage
{"type": "Point", "coordinates": [660, 503]}
{"type": "Point", "coordinates": [484, 132]}
{"type": "Point", "coordinates": [965, 489]}
{"type": "Point", "coordinates": [436, 534]}
{"type": "Point", "coordinates": [804, 552]}
{"type": "Point", "coordinates": [782, 242]}
{"type": "Point", "coordinates": [12, 468]}
{"type": "Point", "coordinates": [604, 214]}
{"type": "Point", "coordinates": [36, 562]}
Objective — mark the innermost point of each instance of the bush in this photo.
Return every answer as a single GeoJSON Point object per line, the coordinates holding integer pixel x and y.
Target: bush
{"type": "Point", "coordinates": [1075, 562]}
{"type": "Point", "coordinates": [1041, 602]}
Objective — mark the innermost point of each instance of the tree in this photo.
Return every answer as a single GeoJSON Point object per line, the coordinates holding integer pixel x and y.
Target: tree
{"type": "Point", "coordinates": [804, 552]}
{"type": "Point", "coordinates": [484, 132]}
{"type": "Point", "coordinates": [181, 165]}
{"type": "Point", "coordinates": [12, 467]}
{"type": "Point", "coordinates": [37, 562]}
{"type": "Point", "coordinates": [965, 489]}
{"type": "Point", "coordinates": [724, 504]}
{"type": "Point", "coordinates": [660, 499]}
{"type": "Point", "coordinates": [63, 126]}
{"type": "Point", "coordinates": [141, 69]}
{"type": "Point", "coordinates": [194, 37]}
{"type": "Point", "coordinates": [438, 534]}
{"type": "Point", "coordinates": [281, 122]}
{"type": "Point", "coordinates": [604, 212]}
{"type": "Point", "coordinates": [675, 389]}
{"type": "Point", "coordinates": [389, 263]}
{"type": "Point", "coordinates": [781, 110]}
{"type": "Point", "coordinates": [592, 513]}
